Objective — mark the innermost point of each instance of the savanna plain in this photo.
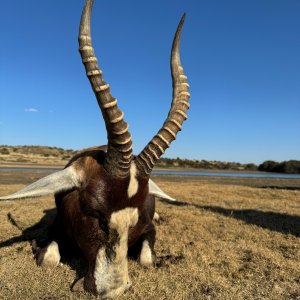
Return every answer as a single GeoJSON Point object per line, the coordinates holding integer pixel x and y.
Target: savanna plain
{"type": "Point", "coordinates": [227, 238]}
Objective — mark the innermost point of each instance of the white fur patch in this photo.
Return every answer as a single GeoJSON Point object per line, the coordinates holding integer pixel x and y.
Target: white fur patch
{"type": "Point", "coordinates": [146, 255]}
{"type": "Point", "coordinates": [156, 217]}
{"type": "Point", "coordinates": [51, 257]}
{"type": "Point", "coordinates": [111, 276]}
{"type": "Point", "coordinates": [133, 183]}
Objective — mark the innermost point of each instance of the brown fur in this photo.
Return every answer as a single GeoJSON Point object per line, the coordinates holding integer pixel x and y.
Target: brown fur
{"type": "Point", "coordinates": [82, 222]}
{"type": "Point", "coordinates": [104, 207]}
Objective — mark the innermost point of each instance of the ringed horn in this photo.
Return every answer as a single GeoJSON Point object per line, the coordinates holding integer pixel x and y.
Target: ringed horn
{"type": "Point", "coordinates": [177, 114]}
{"type": "Point", "coordinates": [119, 151]}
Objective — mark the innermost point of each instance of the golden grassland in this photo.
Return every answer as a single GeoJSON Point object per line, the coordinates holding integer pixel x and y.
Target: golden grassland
{"type": "Point", "coordinates": [31, 161]}
{"type": "Point", "coordinates": [237, 239]}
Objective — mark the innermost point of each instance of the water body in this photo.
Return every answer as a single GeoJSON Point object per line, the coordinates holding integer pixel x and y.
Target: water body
{"type": "Point", "coordinates": [181, 173]}
{"type": "Point", "coordinates": [227, 174]}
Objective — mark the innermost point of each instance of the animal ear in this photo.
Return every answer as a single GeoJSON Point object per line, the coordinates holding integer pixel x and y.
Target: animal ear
{"type": "Point", "coordinates": [156, 191]}
{"type": "Point", "coordinates": [64, 180]}
{"type": "Point", "coordinates": [78, 286]}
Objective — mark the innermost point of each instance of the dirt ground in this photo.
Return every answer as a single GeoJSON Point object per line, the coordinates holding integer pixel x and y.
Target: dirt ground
{"type": "Point", "coordinates": [237, 239]}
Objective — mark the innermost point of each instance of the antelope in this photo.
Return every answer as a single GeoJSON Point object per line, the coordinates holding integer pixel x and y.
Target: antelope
{"type": "Point", "coordinates": [104, 196]}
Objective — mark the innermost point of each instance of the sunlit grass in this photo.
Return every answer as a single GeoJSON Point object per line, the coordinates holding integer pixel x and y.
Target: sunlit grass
{"type": "Point", "coordinates": [236, 240]}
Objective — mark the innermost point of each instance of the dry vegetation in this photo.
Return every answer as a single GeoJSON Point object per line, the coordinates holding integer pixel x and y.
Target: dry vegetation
{"type": "Point", "coordinates": [238, 239]}
{"type": "Point", "coordinates": [50, 156]}
{"type": "Point", "coordinates": [34, 156]}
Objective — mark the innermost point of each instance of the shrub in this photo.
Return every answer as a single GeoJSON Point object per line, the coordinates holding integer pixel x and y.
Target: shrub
{"type": "Point", "coordinates": [4, 151]}
{"type": "Point", "coordinates": [291, 166]}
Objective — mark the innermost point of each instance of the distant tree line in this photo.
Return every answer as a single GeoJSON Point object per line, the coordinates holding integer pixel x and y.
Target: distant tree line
{"type": "Point", "coordinates": [290, 166]}
{"type": "Point", "coordinates": [204, 164]}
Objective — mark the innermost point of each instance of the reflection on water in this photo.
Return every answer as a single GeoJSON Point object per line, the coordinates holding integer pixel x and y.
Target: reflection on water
{"type": "Point", "coordinates": [182, 173]}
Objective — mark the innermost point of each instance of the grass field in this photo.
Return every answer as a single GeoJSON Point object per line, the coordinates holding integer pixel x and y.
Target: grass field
{"type": "Point", "coordinates": [237, 239]}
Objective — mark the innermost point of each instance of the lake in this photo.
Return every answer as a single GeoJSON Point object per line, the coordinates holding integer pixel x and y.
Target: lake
{"type": "Point", "coordinates": [183, 173]}
{"type": "Point", "coordinates": [227, 174]}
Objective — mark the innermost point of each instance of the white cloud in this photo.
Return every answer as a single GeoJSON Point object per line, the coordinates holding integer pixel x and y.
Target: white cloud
{"type": "Point", "coordinates": [34, 110]}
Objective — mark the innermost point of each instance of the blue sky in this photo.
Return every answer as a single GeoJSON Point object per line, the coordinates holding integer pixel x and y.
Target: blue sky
{"type": "Point", "coordinates": [241, 57]}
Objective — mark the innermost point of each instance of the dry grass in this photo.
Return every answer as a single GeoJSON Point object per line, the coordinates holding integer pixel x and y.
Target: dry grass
{"type": "Point", "coordinates": [33, 156]}
{"type": "Point", "coordinates": [31, 160]}
{"type": "Point", "coordinates": [236, 241]}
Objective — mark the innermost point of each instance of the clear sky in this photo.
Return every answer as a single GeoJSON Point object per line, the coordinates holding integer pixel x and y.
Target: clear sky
{"type": "Point", "coordinates": [242, 59]}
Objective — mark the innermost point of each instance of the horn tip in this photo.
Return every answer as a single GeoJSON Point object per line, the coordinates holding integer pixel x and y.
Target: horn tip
{"type": "Point", "coordinates": [183, 17]}
{"type": "Point", "coordinates": [182, 21]}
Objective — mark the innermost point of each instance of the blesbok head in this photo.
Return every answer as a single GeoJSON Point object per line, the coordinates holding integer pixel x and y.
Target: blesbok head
{"type": "Point", "coordinates": [104, 197]}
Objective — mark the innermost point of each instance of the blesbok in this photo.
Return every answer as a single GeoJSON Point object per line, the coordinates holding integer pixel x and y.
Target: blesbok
{"type": "Point", "coordinates": [104, 197]}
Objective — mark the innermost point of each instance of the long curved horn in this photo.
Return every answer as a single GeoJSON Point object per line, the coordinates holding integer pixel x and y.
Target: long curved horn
{"type": "Point", "coordinates": [177, 114]}
{"type": "Point", "coordinates": [63, 180]}
{"type": "Point", "coordinates": [119, 152]}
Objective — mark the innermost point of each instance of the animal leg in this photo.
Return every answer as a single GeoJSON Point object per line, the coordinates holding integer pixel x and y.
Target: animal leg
{"type": "Point", "coordinates": [143, 249]}
{"type": "Point", "coordinates": [156, 217]}
{"type": "Point", "coordinates": [147, 256]}
{"type": "Point", "coordinates": [49, 256]}
{"type": "Point", "coordinates": [47, 253]}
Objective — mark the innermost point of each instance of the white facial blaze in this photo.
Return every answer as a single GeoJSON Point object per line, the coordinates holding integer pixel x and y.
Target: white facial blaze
{"type": "Point", "coordinates": [146, 255]}
{"type": "Point", "coordinates": [133, 183]}
{"type": "Point", "coordinates": [111, 276]}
